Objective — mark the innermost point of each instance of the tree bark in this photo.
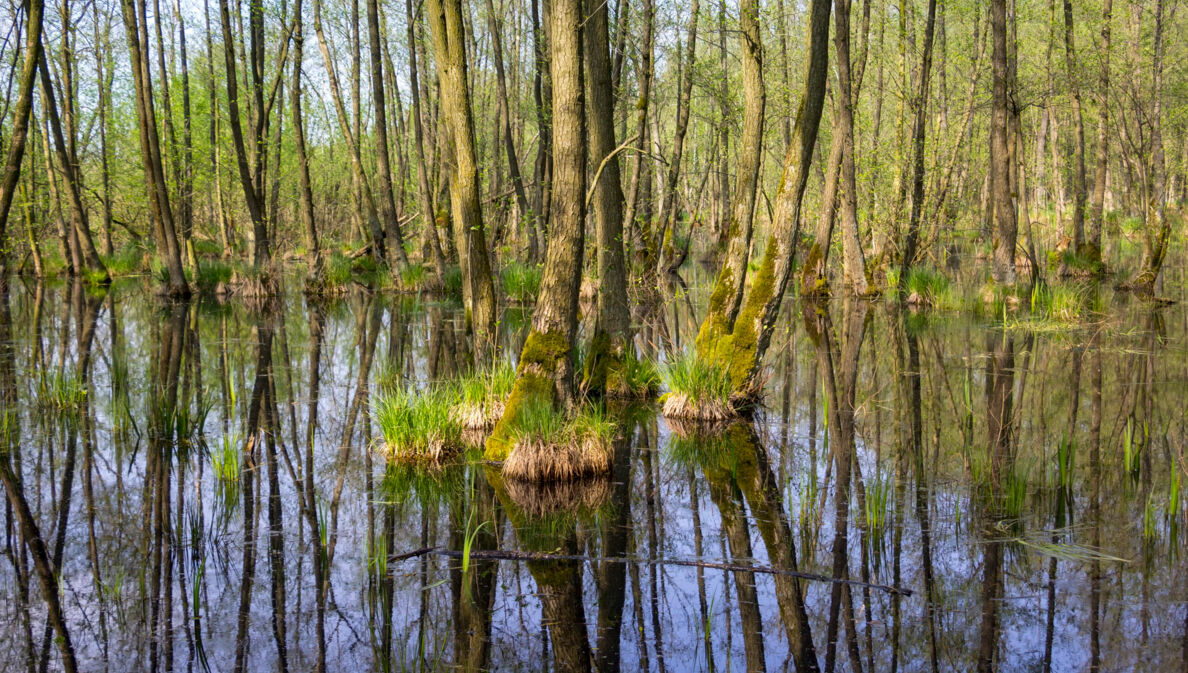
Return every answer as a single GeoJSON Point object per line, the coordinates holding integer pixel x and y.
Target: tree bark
{"type": "Point", "coordinates": [313, 251]}
{"type": "Point", "coordinates": [741, 352]}
{"type": "Point", "coordinates": [662, 246]}
{"type": "Point", "coordinates": [150, 148]}
{"type": "Point", "coordinates": [1092, 250]}
{"type": "Point", "coordinates": [445, 22]}
{"type": "Point", "coordinates": [424, 193]}
{"type": "Point", "coordinates": [545, 371]}
{"type": "Point", "coordinates": [1002, 201]}
{"type": "Point", "coordinates": [1070, 60]}
{"type": "Point", "coordinates": [611, 342]}
{"type": "Point", "coordinates": [854, 264]}
{"type": "Point", "coordinates": [731, 280]}
{"type": "Point", "coordinates": [395, 239]}
{"type": "Point", "coordinates": [919, 128]}
{"type": "Point", "coordinates": [19, 131]}
{"type": "Point", "coordinates": [1157, 227]}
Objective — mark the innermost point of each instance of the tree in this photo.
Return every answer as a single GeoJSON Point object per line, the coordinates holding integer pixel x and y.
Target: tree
{"type": "Point", "coordinates": [449, 42]}
{"type": "Point", "coordinates": [741, 351]}
{"type": "Point", "coordinates": [730, 283]}
{"type": "Point", "coordinates": [1006, 219]}
{"type": "Point", "coordinates": [545, 372]}
{"type": "Point", "coordinates": [20, 124]}
{"type": "Point", "coordinates": [168, 248]}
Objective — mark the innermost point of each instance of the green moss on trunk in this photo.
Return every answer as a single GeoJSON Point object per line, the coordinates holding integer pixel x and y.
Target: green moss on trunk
{"type": "Point", "coordinates": [535, 380]}
{"type": "Point", "coordinates": [735, 352]}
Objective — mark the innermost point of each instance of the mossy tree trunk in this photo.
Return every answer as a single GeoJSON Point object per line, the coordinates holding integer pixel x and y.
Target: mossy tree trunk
{"type": "Point", "coordinates": [546, 364]}
{"type": "Point", "coordinates": [612, 330]}
{"type": "Point", "coordinates": [741, 351]}
{"type": "Point", "coordinates": [449, 37]}
{"type": "Point", "coordinates": [727, 295]}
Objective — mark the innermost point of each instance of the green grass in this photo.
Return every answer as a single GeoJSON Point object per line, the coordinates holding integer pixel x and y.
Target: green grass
{"type": "Point", "coordinates": [411, 419]}
{"type": "Point", "coordinates": [933, 289]}
{"type": "Point", "coordinates": [697, 379]}
{"type": "Point", "coordinates": [212, 272]}
{"type": "Point", "coordinates": [127, 260]}
{"type": "Point", "coordinates": [639, 375]}
{"type": "Point", "coordinates": [493, 383]}
{"type": "Point", "coordinates": [412, 277]}
{"type": "Point", "coordinates": [541, 421]}
{"type": "Point", "coordinates": [521, 282]}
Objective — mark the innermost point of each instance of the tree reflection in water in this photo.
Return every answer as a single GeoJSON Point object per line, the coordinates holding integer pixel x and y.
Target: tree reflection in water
{"type": "Point", "coordinates": [197, 485]}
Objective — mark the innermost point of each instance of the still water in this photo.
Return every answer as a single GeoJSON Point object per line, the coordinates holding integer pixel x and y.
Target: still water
{"type": "Point", "coordinates": [199, 486]}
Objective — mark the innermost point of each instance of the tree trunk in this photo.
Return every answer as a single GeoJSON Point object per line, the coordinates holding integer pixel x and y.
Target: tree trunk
{"type": "Point", "coordinates": [731, 281]}
{"type": "Point", "coordinates": [313, 252]}
{"type": "Point", "coordinates": [395, 240]}
{"type": "Point", "coordinates": [19, 131]}
{"type": "Point", "coordinates": [1005, 218]}
{"type": "Point", "coordinates": [644, 75]}
{"type": "Point", "coordinates": [1092, 252]}
{"type": "Point", "coordinates": [424, 194]}
{"type": "Point", "coordinates": [611, 342]}
{"type": "Point", "coordinates": [1157, 227]}
{"type": "Point", "coordinates": [1070, 60]}
{"type": "Point", "coordinates": [919, 127]}
{"type": "Point", "coordinates": [545, 371]}
{"type": "Point", "coordinates": [445, 22]}
{"type": "Point", "coordinates": [741, 352]}
{"type": "Point", "coordinates": [854, 264]}
{"type": "Point", "coordinates": [150, 148]}
{"type": "Point", "coordinates": [670, 204]}
{"type": "Point", "coordinates": [495, 26]}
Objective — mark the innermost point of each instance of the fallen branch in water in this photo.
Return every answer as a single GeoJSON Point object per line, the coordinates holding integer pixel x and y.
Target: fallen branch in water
{"type": "Point", "coordinates": [501, 555]}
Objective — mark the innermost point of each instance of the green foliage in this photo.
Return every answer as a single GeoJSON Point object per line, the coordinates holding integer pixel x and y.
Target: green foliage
{"type": "Point", "coordinates": [451, 282]}
{"type": "Point", "coordinates": [127, 260]}
{"type": "Point", "coordinates": [932, 288]}
{"type": "Point", "coordinates": [485, 385]}
{"type": "Point", "coordinates": [412, 277]}
{"type": "Point", "coordinates": [878, 495]}
{"type": "Point", "coordinates": [211, 273]}
{"type": "Point", "coordinates": [521, 282]}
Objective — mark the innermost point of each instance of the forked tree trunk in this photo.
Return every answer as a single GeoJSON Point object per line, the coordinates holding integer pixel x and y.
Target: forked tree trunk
{"type": "Point", "coordinates": [854, 263]}
{"type": "Point", "coordinates": [545, 372]}
{"type": "Point", "coordinates": [741, 352]}
{"type": "Point", "coordinates": [731, 281]}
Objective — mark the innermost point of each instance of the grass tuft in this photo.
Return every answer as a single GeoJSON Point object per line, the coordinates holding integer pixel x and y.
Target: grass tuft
{"type": "Point", "coordinates": [521, 281]}
{"type": "Point", "coordinates": [697, 390]}
{"type": "Point", "coordinates": [551, 447]}
{"type": "Point", "coordinates": [482, 396]}
{"type": "Point", "coordinates": [417, 425]}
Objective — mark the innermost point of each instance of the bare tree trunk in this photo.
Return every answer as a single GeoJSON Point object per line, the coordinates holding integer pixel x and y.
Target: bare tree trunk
{"type": "Point", "coordinates": [644, 75]}
{"type": "Point", "coordinates": [1070, 60]}
{"type": "Point", "coordinates": [545, 372]}
{"type": "Point", "coordinates": [313, 252]}
{"type": "Point", "coordinates": [1157, 227]}
{"type": "Point", "coordinates": [1005, 218]}
{"type": "Point", "coordinates": [367, 207]}
{"type": "Point", "coordinates": [395, 242]}
{"type": "Point", "coordinates": [495, 26]}
{"type": "Point", "coordinates": [854, 264]}
{"type": "Point", "coordinates": [19, 131]}
{"type": "Point", "coordinates": [669, 208]}
{"type": "Point", "coordinates": [1092, 251]}
{"type": "Point", "coordinates": [424, 194]}
{"type": "Point", "coordinates": [919, 127]}
{"type": "Point", "coordinates": [103, 72]}
{"type": "Point", "coordinates": [445, 22]}
{"type": "Point", "coordinates": [731, 281]}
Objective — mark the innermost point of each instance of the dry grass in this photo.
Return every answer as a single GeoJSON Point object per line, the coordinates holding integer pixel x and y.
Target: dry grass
{"type": "Point", "coordinates": [544, 499]}
{"type": "Point", "coordinates": [561, 459]}
{"type": "Point", "coordinates": [682, 407]}
{"type": "Point", "coordinates": [481, 416]}
{"type": "Point", "coordinates": [433, 450]}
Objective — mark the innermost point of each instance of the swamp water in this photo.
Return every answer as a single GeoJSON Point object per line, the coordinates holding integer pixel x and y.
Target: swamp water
{"type": "Point", "coordinates": [211, 494]}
